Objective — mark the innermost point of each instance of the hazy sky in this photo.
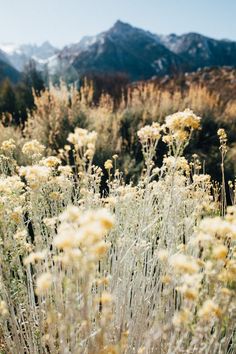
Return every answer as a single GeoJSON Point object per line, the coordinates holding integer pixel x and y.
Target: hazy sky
{"type": "Point", "coordinates": [66, 21]}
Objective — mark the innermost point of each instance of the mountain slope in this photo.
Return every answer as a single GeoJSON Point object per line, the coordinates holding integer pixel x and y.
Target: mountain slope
{"type": "Point", "coordinates": [3, 57]}
{"type": "Point", "coordinates": [128, 50]}
{"type": "Point", "coordinates": [217, 80]}
{"type": "Point", "coordinates": [19, 56]}
{"type": "Point", "coordinates": [200, 51]}
{"type": "Point", "coordinates": [8, 72]}
{"type": "Point", "coordinates": [142, 55]}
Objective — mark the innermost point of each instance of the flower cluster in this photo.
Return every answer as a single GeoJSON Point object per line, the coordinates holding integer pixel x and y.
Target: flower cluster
{"type": "Point", "coordinates": [176, 164]}
{"type": "Point", "coordinates": [150, 133]}
{"type": "Point", "coordinates": [82, 138]}
{"type": "Point", "coordinates": [83, 232]}
{"type": "Point", "coordinates": [35, 175]}
{"type": "Point", "coordinates": [33, 149]}
{"type": "Point", "coordinates": [50, 162]}
{"type": "Point", "coordinates": [178, 128]}
{"type": "Point", "coordinates": [181, 121]}
{"type": "Point", "coordinates": [8, 146]}
{"type": "Point", "coordinates": [43, 283]}
{"type": "Point", "coordinates": [223, 140]}
{"type": "Point", "coordinates": [108, 164]}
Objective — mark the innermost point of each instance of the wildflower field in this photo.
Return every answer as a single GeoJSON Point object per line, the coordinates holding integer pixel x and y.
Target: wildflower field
{"type": "Point", "coordinates": [93, 262]}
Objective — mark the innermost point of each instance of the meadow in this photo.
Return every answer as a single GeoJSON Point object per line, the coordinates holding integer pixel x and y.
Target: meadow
{"type": "Point", "coordinates": [114, 237]}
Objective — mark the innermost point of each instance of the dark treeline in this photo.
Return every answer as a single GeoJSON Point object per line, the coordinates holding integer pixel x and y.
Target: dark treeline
{"type": "Point", "coordinates": [18, 98]}
{"type": "Point", "coordinates": [114, 84]}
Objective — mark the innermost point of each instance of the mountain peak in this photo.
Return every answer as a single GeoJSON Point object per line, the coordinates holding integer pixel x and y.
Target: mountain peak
{"type": "Point", "coordinates": [121, 26]}
{"type": "Point", "coordinates": [47, 44]}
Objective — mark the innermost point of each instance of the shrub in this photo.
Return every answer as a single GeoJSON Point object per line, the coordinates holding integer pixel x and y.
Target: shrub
{"type": "Point", "coordinates": [148, 268]}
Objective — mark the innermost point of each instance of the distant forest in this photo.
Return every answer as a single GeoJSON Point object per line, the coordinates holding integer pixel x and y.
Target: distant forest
{"type": "Point", "coordinates": [17, 99]}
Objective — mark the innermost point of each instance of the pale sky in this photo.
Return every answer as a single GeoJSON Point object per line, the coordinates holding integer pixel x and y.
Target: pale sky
{"type": "Point", "coordinates": [66, 21]}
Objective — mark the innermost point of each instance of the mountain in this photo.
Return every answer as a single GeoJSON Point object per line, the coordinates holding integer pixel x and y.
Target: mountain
{"type": "Point", "coordinates": [124, 49]}
{"type": "Point", "coordinates": [3, 57]}
{"type": "Point", "coordinates": [19, 56]}
{"type": "Point", "coordinates": [200, 51]}
{"type": "Point", "coordinates": [8, 72]}
{"type": "Point", "coordinates": [141, 54]}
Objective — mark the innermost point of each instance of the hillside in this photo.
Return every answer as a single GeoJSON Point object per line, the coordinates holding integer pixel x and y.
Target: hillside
{"type": "Point", "coordinates": [220, 80]}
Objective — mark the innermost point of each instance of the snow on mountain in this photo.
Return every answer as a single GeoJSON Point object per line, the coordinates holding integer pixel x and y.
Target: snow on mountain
{"type": "Point", "coordinates": [3, 56]}
{"type": "Point", "coordinates": [10, 48]}
{"type": "Point", "coordinates": [201, 51]}
{"type": "Point", "coordinates": [19, 55]}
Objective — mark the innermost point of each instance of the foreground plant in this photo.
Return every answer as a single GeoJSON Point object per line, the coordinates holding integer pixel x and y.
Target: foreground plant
{"type": "Point", "coordinates": [145, 268]}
